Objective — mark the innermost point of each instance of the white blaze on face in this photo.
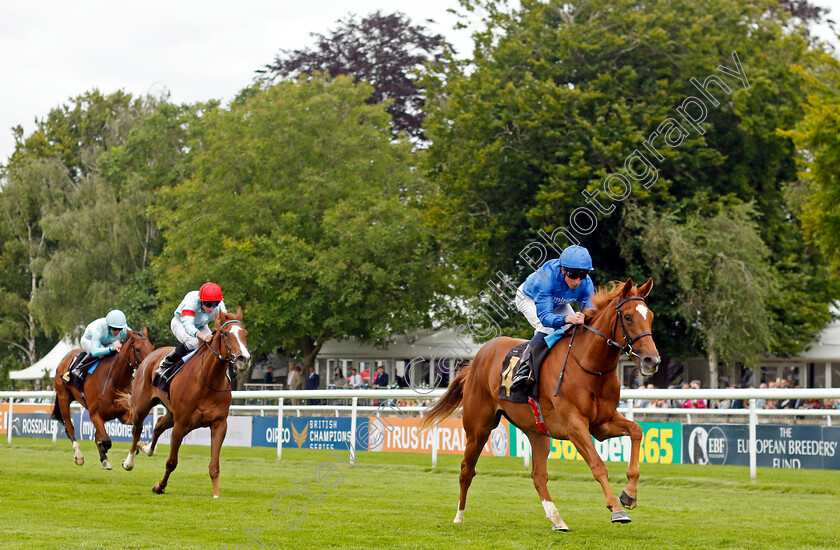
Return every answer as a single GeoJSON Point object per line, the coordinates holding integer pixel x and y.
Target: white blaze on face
{"type": "Point", "coordinates": [235, 330]}
{"type": "Point", "coordinates": [643, 311]}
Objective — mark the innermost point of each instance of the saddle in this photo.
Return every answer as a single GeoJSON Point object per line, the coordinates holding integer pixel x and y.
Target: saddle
{"type": "Point", "coordinates": [79, 368]}
{"type": "Point", "coordinates": [538, 355]}
{"type": "Point", "coordinates": [163, 377]}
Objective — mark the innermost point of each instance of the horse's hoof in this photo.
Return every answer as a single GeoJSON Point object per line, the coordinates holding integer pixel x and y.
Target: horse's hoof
{"type": "Point", "coordinates": [146, 448]}
{"type": "Point", "coordinates": [620, 517]}
{"type": "Point", "coordinates": [560, 526]}
{"type": "Point", "coordinates": [215, 496]}
{"type": "Point", "coordinates": [79, 461]}
{"type": "Point", "coordinates": [106, 465]}
{"type": "Point", "coordinates": [628, 501]}
{"type": "Point", "coordinates": [126, 467]}
{"type": "Point", "coordinates": [157, 489]}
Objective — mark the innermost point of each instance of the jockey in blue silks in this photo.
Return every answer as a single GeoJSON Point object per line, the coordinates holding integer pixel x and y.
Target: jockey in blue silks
{"type": "Point", "coordinates": [101, 337]}
{"type": "Point", "coordinates": [544, 299]}
{"type": "Point", "coordinates": [189, 324]}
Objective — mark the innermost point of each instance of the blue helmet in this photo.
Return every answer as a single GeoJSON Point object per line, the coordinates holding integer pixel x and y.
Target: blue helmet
{"type": "Point", "coordinates": [116, 319]}
{"type": "Point", "coordinates": [576, 257]}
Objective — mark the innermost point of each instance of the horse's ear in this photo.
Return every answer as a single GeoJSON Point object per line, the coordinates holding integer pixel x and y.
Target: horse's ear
{"type": "Point", "coordinates": [644, 290]}
{"type": "Point", "coordinates": [628, 286]}
{"type": "Point", "coordinates": [239, 312]}
{"type": "Point", "coordinates": [145, 332]}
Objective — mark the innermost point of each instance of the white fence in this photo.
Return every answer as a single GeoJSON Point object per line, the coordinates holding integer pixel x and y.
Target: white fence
{"type": "Point", "coordinates": [281, 406]}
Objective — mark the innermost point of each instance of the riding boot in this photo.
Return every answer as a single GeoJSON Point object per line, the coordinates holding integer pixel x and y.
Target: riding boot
{"type": "Point", "coordinates": [174, 356]}
{"type": "Point", "coordinates": [523, 374]}
{"type": "Point", "coordinates": [73, 369]}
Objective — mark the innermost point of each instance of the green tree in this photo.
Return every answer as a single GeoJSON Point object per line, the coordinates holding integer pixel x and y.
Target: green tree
{"type": "Point", "coordinates": [32, 187]}
{"type": "Point", "coordinates": [305, 212]}
{"type": "Point", "coordinates": [818, 137]}
{"type": "Point", "coordinates": [560, 94]}
{"type": "Point", "coordinates": [383, 50]}
{"type": "Point", "coordinates": [719, 265]}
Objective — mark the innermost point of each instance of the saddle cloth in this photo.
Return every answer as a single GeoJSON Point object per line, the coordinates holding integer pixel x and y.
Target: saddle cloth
{"type": "Point", "coordinates": [163, 377]}
{"type": "Point", "coordinates": [508, 367]}
{"type": "Point", "coordinates": [538, 355]}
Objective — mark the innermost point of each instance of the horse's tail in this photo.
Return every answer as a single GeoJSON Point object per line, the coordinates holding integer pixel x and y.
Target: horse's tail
{"type": "Point", "coordinates": [124, 399]}
{"type": "Point", "coordinates": [450, 401]}
{"type": "Point", "coordinates": [56, 412]}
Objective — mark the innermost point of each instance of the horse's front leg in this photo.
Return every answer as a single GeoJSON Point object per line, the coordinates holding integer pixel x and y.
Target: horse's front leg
{"type": "Point", "coordinates": [217, 435]}
{"type": "Point", "coordinates": [580, 436]}
{"type": "Point", "coordinates": [103, 442]}
{"type": "Point", "coordinates": [178, 433]}
{"type": "Point", "coordinates": [616, 427]}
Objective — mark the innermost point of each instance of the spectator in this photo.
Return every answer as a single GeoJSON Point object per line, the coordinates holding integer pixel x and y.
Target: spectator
{"type": "Point", "coordinates": [785, 403]}
{"type": "Point", "coordinates": [695, 403]}
{"type": "Point", "coordinates": [381, 380]}
{"type": "Point", "coordinates": [295, 381]}
{"type": "Point", "coordinates": [338, 378]}
{"type": "Point", "coordinates": [761, 403]}
{"type": "Point", "coordinates": [355, 379]}
{"type": "Point", "coordinates": [313, 382]}
{"type": "Point", "coordinates": [269, 375]}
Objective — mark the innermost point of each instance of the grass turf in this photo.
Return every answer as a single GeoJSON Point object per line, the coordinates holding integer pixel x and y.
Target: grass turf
{"type": "Point", "coordinates": [393, 500]}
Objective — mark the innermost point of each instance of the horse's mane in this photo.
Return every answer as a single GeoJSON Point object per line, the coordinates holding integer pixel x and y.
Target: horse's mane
{"type": "Point", "coordinates": [605, 295]}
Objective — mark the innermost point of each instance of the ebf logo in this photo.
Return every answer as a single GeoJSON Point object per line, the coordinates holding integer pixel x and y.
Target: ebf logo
{"type": "Point", "coordinates": [707, 447]}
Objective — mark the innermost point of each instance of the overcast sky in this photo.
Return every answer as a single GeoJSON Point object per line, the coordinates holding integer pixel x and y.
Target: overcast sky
{"type": "Point", "coordinates": [51, 50]}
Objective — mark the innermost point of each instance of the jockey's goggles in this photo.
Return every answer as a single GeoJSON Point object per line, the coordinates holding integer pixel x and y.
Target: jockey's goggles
{"type": "Point", "coordinates": [576, 273]}
{"type": "Point", "coordinates": [212, 304]}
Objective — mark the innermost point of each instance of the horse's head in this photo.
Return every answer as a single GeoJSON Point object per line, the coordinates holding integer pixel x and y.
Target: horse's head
{"type": "Point", "coordinates": [136, 347]}
{"type": "Point", "coordinates": [234, 338]}
{"type": "Point", "coordinates": [635, 320]}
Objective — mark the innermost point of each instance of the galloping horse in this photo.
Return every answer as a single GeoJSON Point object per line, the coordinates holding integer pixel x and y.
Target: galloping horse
{"type": "Point", "coordinates": [199, 395]}
{"type": "Point", "coordinates": [112, 376]}
{"type": "Point", "coordinates": [578, 394]}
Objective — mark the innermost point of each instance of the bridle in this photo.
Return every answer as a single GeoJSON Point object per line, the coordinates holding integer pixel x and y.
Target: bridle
{"type": "Point", "coordinates": [229, 358]}
{"type": "Point", "coordinates": [626, 348]}
{"type": "Point", "coordinates": [619, 319]}
{"type": "Point", "coordinates": [136, 364]}
{"type": "Point", "coordinates": [127, 360]}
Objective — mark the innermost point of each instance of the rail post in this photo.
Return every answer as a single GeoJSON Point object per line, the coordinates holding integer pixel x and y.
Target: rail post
{"type": "Point", "coordinates": [279, 428]}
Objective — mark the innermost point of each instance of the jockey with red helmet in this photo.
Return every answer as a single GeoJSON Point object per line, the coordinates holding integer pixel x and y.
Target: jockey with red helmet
{"type": "Point", "coordinates": [545, 297]}
{"type": "Point", "coordinates": [189, 325]}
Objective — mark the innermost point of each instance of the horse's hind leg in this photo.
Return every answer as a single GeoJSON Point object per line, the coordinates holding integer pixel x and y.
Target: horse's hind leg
{"type": "Point", "coordinates": [541, 446]}
{"type": "Point", "coordinates": [616, 427]}
{"type": "Point", "coordinates": [479, 421]}
{"type": "Point", "coordinates": [164, 423]}
{"type": "Point", "coordinates": [137, 415]}
{"type": "Point", "coordinates": [178, 433]}
{"type": "Point", "coordinates": [63, 403]}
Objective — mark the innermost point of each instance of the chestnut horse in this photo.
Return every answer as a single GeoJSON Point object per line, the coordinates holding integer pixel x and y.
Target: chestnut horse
{"type": "Point", "coordinates": [112, 376]}
{"type": "Point", "coordinates": [578, 395]}
{"type": "Point", "coordinates": [199, 395]}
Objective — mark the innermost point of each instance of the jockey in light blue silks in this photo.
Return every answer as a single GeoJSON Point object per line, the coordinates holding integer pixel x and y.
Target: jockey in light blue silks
{"type": "Point", "coordinates": [102, 337]}
{"type": "Point", "coordinates": [544, 300]}
{"type": "Point", "coordinates": [189, 325]}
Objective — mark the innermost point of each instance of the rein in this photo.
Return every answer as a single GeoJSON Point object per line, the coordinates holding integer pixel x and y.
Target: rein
{"type": "Point", "coordinates": [626, 348]}
{"type": "Point", "coordinates": [229, 360]}
{"type": "Point", "coordinates": [127, 360]}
